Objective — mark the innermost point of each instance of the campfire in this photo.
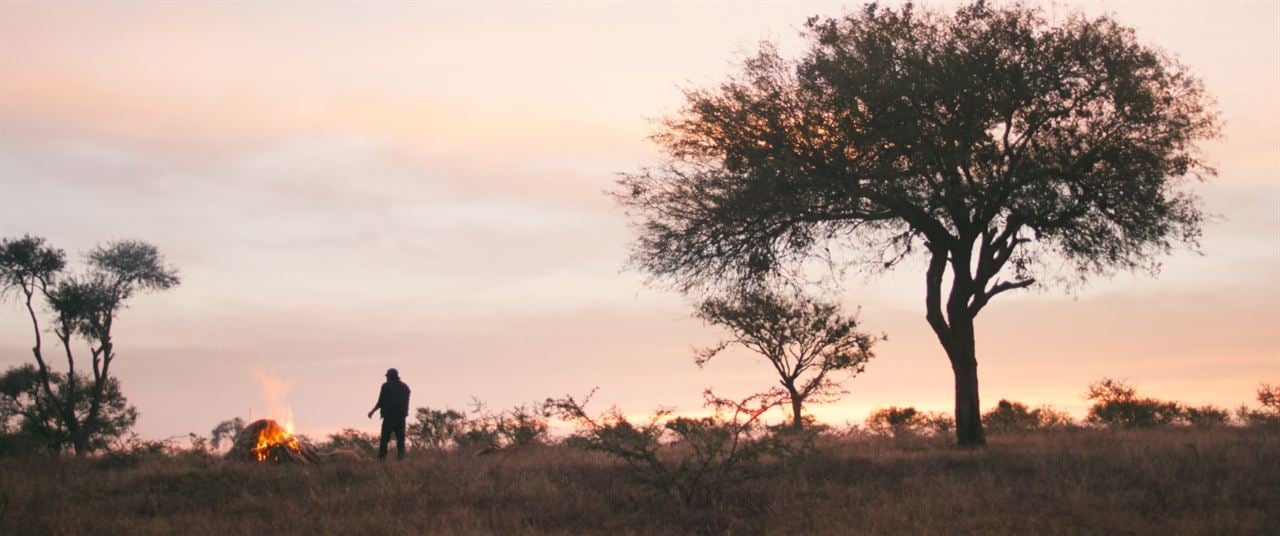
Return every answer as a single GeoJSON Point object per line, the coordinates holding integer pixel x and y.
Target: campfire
{"type": "Point", "coordinates": [266, 441]}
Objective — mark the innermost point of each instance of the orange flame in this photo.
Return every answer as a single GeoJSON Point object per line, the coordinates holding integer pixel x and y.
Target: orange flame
{"type": "Point", "coordinates": [273, 395]}
{"type": "Point", "coordinates": [271, 438]}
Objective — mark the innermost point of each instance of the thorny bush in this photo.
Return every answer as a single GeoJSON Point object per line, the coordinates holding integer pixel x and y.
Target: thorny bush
{"type": "Point", "coordinates": [692, 458]}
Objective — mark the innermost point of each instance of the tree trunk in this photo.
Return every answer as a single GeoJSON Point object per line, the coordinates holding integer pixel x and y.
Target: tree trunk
{"type": "Point", "coordinates": [955, 332]}
{"type": "Point", "coordinates": [100, 379]}
{"type": "Point", "coordinates": [968, 410]}
{"type": "Point", "coordinates": [797, 423]}
{"type": "Point", "coordinates": [80, 442]}
{"type": "Point", "coordinates": [964, 364]}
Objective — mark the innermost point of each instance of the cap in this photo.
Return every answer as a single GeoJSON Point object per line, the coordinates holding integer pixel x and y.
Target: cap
{"type": "Point", "coordinates": [393, 373]}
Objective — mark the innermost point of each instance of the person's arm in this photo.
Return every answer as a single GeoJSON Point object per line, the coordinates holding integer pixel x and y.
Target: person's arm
{"type": "Point", "coordinates": [381, 396]}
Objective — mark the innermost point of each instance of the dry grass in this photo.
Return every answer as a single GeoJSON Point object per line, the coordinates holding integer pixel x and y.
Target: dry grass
{"type": "Point", "coordinates": [1170, 481]}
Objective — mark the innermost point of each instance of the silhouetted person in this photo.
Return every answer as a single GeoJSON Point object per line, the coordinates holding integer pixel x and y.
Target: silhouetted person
{"type": "Point", "coordinates": [393, 400]}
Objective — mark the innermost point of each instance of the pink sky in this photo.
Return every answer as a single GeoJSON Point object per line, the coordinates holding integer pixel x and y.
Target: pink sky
{"type": "Point", "coordinates": [351, 187]}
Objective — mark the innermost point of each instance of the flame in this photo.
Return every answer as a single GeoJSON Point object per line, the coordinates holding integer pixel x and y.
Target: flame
{"type": "Point", "coordinates": [273, 391]}
{"type": "Point", "coordinates": [272, 437]}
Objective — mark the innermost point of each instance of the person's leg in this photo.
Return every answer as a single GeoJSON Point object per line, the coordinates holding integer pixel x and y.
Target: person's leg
{"type": "Point", "coordinates": [400, 438]}
{"type": "Point", "coordinates": [386, 436]}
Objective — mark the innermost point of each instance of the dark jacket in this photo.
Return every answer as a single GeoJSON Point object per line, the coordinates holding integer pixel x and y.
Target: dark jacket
{"type": "Point", "coordinates": [394, 399]}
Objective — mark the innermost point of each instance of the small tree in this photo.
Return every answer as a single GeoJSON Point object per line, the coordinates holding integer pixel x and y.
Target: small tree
{"type": "Point", "coordinates": [31, 422]}
{"type": "Point", "coordinates": [1117, 404]}
{"type": "Point", "coordinates": [1269, 413]}
{"type": "Point", "coordinates": [225, 431]}
{"type": "Point", "coordinates": [806, 341]}
{"type": "Point", "coordinates": [435, 429]}
{"type": "Point", "coordinates": [84, 308]}
{"type": "Point", "coordinates": [991, 141]}
{"type": "Point", "coordinates": [1269, 397]}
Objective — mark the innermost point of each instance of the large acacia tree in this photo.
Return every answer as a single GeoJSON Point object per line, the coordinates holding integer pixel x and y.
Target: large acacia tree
{"type": "Point", "coordinates": [988, 141]}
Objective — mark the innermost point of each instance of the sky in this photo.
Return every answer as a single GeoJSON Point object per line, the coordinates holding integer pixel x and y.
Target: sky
{"type": "Point", "coordinates": [351, 187]}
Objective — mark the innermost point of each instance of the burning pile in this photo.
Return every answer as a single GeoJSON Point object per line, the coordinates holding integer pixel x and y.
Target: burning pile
{"type": "Point", "coordinates": [265, 440]}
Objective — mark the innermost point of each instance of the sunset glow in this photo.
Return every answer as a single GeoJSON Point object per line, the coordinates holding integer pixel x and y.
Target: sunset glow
{"type": "Point", "coordinates": [348, 187]}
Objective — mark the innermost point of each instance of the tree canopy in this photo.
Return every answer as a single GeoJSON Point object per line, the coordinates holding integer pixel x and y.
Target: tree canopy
{"type": "Point", "coordinates": [989, 140]}
{"type": "Point", "coordinates": [32, 421]}
{"type": "Point", "coordinates": [807, 341]}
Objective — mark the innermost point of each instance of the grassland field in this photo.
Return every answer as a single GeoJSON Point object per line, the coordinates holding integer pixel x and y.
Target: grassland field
{"type": "Point", "coordinates": [1220, 480]}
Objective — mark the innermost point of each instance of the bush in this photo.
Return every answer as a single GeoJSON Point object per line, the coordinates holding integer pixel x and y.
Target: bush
{"type": "Point", "coordinates": [894, 421]}
{"type": "Point", "coordinates": [352, 439]}
{"type": "Point", "coordinates": [435, 429]}
{"type": "Point", "coordinates": [898, 422]}
{"type": "Point", "coordinates": [477, 436]}
{"type": "Point", "coordinates": [1009, 416]}
{"type": "Point", "coordinates": [524, 426]}
{"type": "Point", "coordinates": [1269, 413]}
{"type": "Point", "coordinates": [691, 458]}
{"type": "Point", "coordinates": [130, 452]}
{"type": "Point", "coordinates": [521, 426]}
{"type": "Point", "coordinates": [939, 424]}
{"type": "Point", "coordinates": [1207, 415]}
{"type": "Point", "coordinates": [1117, 405]}
{"type": "Point", "coordinates": [1052, 419]}
{"type": "Point", "coordinates": [30, 419]}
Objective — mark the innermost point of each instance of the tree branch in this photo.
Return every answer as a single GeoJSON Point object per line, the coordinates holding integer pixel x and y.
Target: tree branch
{"type": "Point", "coordinates": [933, 296]}
{"type": "Point", "coordinates": [980, 300]}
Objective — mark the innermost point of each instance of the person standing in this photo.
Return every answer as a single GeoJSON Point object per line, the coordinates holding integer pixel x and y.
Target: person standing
{"type": "Point", "coordinates": [393, 400]}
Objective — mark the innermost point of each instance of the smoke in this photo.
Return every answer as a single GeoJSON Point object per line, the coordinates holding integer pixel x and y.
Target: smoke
{"type": "Point", "coordinates": [273, 395]}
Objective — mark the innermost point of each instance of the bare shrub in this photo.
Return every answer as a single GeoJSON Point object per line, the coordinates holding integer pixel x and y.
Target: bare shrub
{"type": "Point", "coordinates": [691, 458]}
{"type": "Point", "coordinates": [521, 426]}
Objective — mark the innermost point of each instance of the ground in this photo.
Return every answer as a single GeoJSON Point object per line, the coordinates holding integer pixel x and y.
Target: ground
{"type": "Point", "coordinates": [1223, 480]}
